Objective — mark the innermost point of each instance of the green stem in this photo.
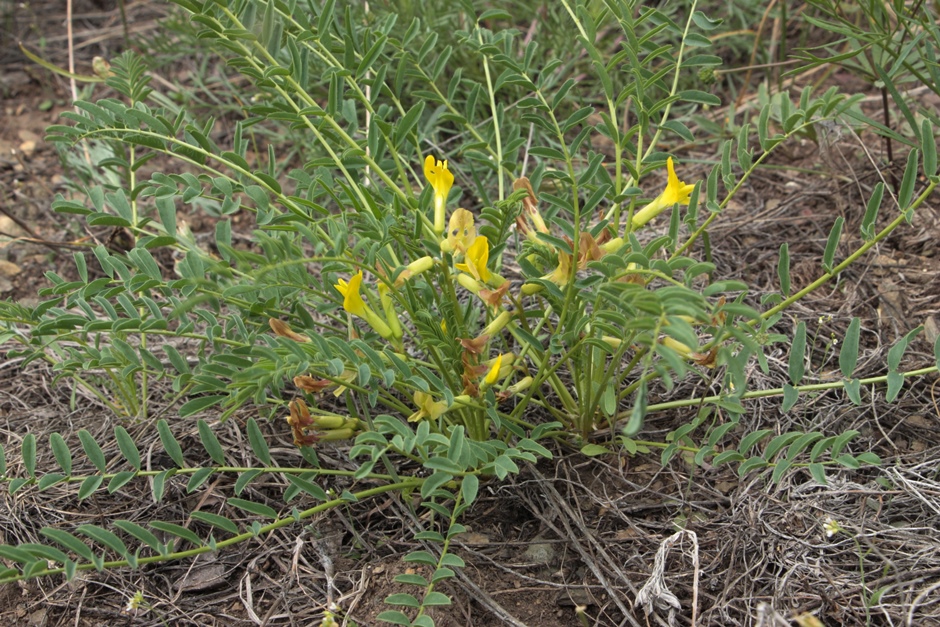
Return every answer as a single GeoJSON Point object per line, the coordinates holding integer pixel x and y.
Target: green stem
{"type": "Point", "coordinates": [228, 469]}
{"type": "Point", "coordinates": [853, 257]}
{"type": "Point", "coordinates": [242, 537]}
{"type": "Point", "coordinates": [496, 131]}
{"type": "Point", "coordinates": [440, 561]}
{"type": "Point", "coordinates": [675, 84]}
{"type": "Point", "coordinates": [813, 387]}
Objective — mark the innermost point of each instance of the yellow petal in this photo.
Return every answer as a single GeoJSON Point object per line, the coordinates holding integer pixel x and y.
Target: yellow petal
{"type": "Point", "coordinates": [440, 178]}
{"type": "Point", "coordinates": [352, 300]}
{"type": "Point", "coordinates": [562, 273]}
{"type": "Point", "coordinates": [461, 232]}
{"type": "Point", "coordinates": [676, 190]}
{"type": "Point", "coordinates": [478, 254]}
{"type": "Point", "coordinates": [427, 408]}
{"type": "Point", "coordinates": [493, 375]}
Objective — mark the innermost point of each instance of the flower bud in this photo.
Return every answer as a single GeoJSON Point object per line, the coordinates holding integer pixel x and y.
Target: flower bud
{"type": "Point", "coordinates": [469, 283]}
{"type": "Point", "coordinates": [497, 324]}
{"type": "Point", "coordinates": [335, 435]}
{"type": "Point", "coordinates": [329, 422]}
{"type": "Point", "coordinates": [520, 386]}
{"type": "Point", "coordinates": [388, 307]}
{"type": "Point", "coordinates": [677, 346]}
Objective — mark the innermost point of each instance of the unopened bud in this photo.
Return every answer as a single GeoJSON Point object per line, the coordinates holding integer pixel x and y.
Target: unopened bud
{"type": "Point", "coordinates": [469, 283]}
{"type": "Point", "coordinates": [677, 346]}
{"type": "Point", "coordinates": [336, 435]}
{"type": "Point", "coordinates": [329, 422]}
{"type": "Point", "coordinates": [497, 324]}
{"type": "Point", "coordinates": [520, 386]}
{"type": "Point", "coordinates": [613, 245]}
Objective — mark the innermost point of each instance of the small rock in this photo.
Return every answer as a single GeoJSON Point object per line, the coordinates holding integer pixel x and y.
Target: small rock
{"type": "Point", "coordinates": [28, 136]}
{"type": "Point", "coordinates": [28, 147]}
{"type": "Point", "coordinates": [8, 268]}
{"type": "Point", "coordinates": [208, 577]}
{"type": "Point", "coordinates": [625, 534]}
{"type": "Point", "coordinates": [919, 422]}
{"type": "Point", "coordinates": [38, 617]}
{"type": "Point", "coordinates": [726, 486]}
{"type": "Point", "coordinates": [575, 596]}
{"type": "Point", "coordinates": [540, 553]}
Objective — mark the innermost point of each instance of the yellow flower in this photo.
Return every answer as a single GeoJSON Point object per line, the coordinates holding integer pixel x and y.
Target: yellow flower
{"type": "Point", "coordinates": [559, 276]}
{"type": "Point", "coordinates": [348, 376]}
{"type": "Point", "coordinates": [478, 254]}
{"type": "Point", "coordinates": [461, 232]}
{"type": "Point", "coordinates": [493, 375]}
{"type": "Point", "coordinates": [500, 368]}
{"type": "Point", "coordinates": [562, 272]}
{"type": "Point", "coordinates": [427, 408]}
{"type": "Point", "coordinates": [353, 303]}
{"type": "Point", "coordinates": [676, 192]}
{"type": "Point", "coordinates": [441, 179]}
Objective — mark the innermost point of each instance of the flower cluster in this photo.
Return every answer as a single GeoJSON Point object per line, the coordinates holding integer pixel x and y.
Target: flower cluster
{"type": "Point", "coordinates": [469, 253]}
{"type": "Point", "coordinates": [309, 430]}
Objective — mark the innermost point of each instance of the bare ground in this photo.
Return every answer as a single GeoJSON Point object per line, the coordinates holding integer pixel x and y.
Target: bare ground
{"type": "Point", "coordinates": [573, 532]}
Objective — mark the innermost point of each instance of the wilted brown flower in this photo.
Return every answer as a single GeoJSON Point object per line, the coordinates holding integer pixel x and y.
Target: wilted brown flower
{"type": "Point", "coordinates": [283, 329]}
{"type": "Point", "coordinates": [309, 384]}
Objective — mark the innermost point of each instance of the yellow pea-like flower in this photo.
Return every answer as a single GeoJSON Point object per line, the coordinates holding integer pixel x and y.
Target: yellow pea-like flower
{"type": "Point", "coordinates": [427, 407]}
{"type": "Point", "coordinates": [478, 255]}
{"type": "Point", "coordinates": [676, 192]}
{"type": "Point", "coordinates": [461, 232]}
{"type": "Point", "coordinates": [493, 375]}
{"type": "Point", "coordinates": [441, 179]}
{"type": "Point", "coordinates": [352, 299]}
{"type": "Point", "coordinates": [353, 303]}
